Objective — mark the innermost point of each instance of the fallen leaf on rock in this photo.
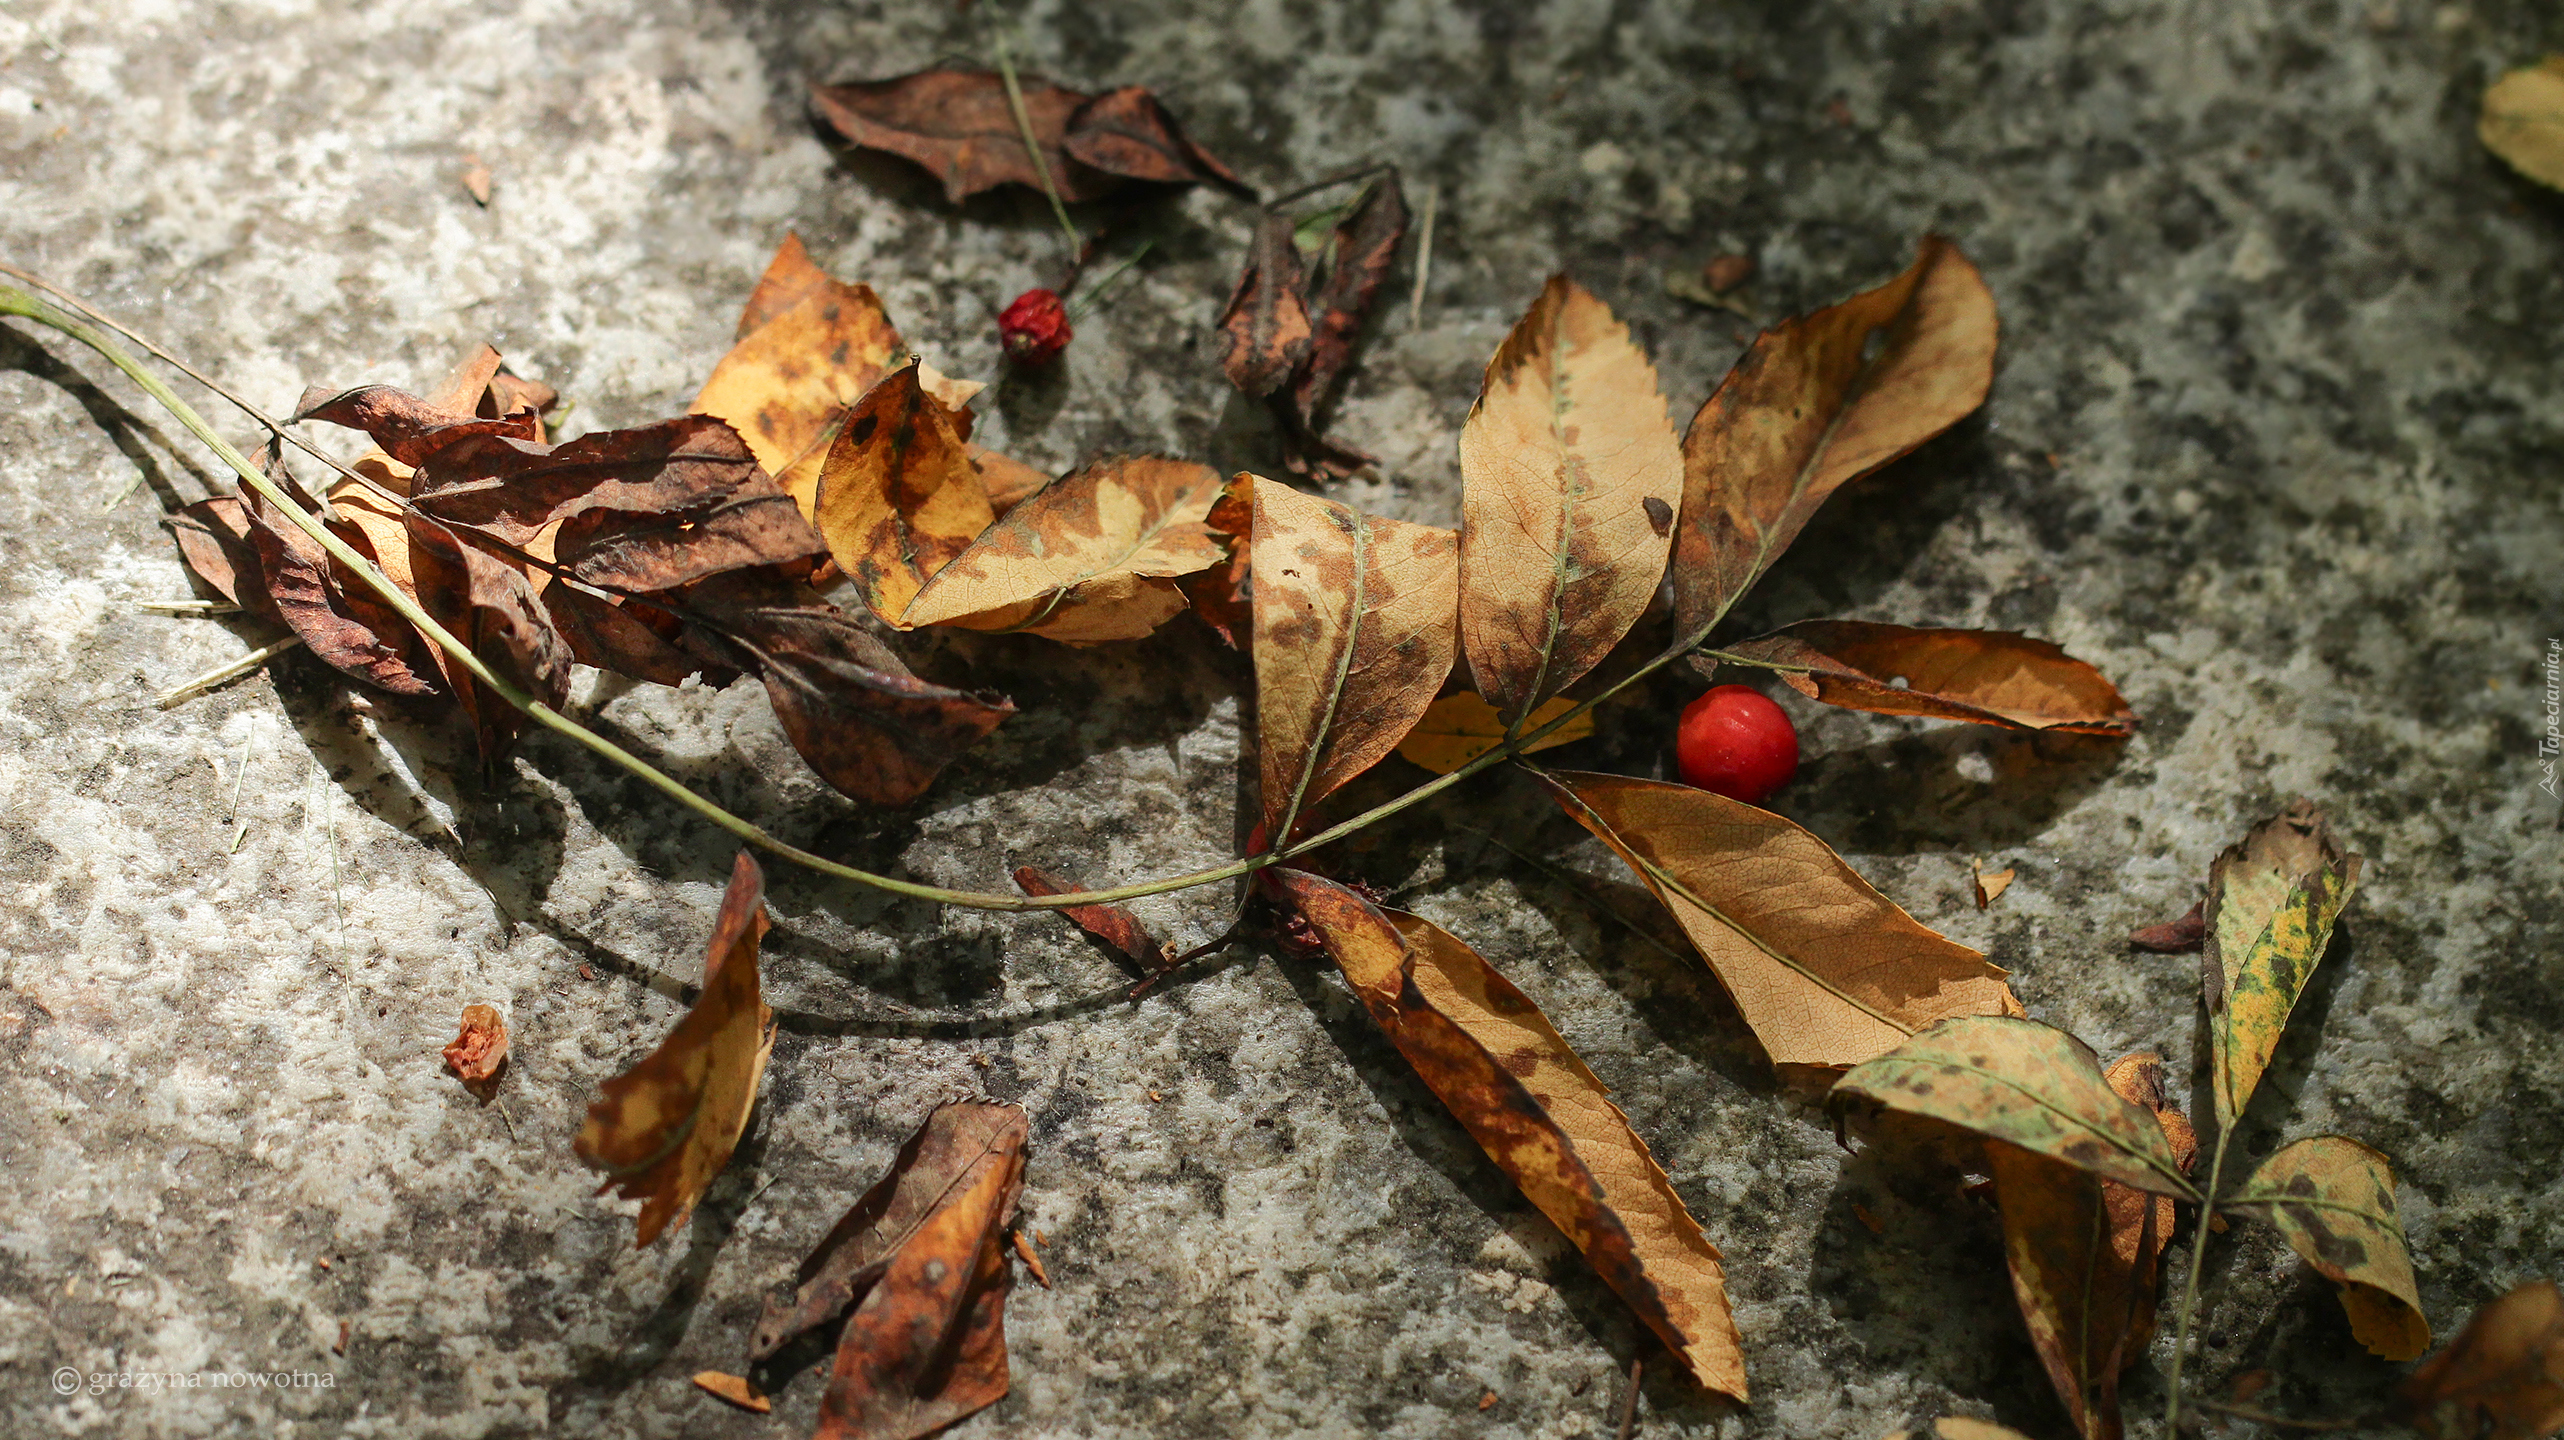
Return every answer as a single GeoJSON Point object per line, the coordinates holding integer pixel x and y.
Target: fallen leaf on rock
{"type": "Point", "coordinates": [2028, 1085]}
{"type": "Point", "coordinates": [1457, 729]}
{"type": "Point", "coordinates": [1115, 925]}
{"type": "Point", "coordinates": [1007, 480]}
{"type": "Point", "coordinates": [809, 346]}
{"type": "Point", "coordinates": [2174, 936]}
{"type": "Point", "coordinates": [922, 1262]}
{"type": "Point", "coordinates": [898, 496]}
{"type": "Point", "coordinates": [1958, 1427]}
{"type": "Point", "coordinates": [479, 1049]}
{"type": "Point", "coordinates": [476, 180]}
{"type": "Point", "coordinates": [1032, 1261]}
{"type": "Point", "coordinates": [1827, 971]}
{"type": "Point", "coordinates": [1819, 401]}
{"type": "Point", "coordinates": [2523, 121]}
{"type": "Point", "coordinates": [736, 1389]}
{"type": "Point", "coordinates": [1358, 259]}
{"type": "Point", "coordinates": [664, 1128]}
{"type": "Point", "coordinates": [335, 613]}
{"type": "Point", "coordinates": [1093, 556]}
{"type": "Point", "coordinates": [1987, 677]}
{"type": "Point", "coordinates": [1990, 884]}
{"type": "Point", "coordinates": [1127, 132]}
{"type": "Point", "coordinates": [2502, 1378]}
{"type": "Point", "coordinates": [404, 426]}
{"type": "Point", "coordinates": [515, 490]}
{"type": "Point", "coordinates": [2334, 1200]}
{"type": "Point", "coordinates": [488, 605]}
{"type": "Point", "coordinates": [959, 126]}
{"type": "Point", "coordinates": [1354, 634]}
{"type": "Point", "coordinates": [1266, 323]}
{"type": "Point", "coordinates": [2086, 1255]}
{"type": "Point", "coordinates": [1558, 459]}
{"type": "Point", "coordinates": [2272, 899]}
{"type": "Point", "coordinates": [1495, 1061]}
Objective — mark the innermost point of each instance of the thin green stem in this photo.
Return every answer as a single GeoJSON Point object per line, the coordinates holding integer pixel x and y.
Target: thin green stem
{"type": "Point", "coordinates": [2190, 1287]}
{"type": "Point", "coordinates": [1727, 657]}
{"type": "Point", "coordinates": [1085, 304]}
{"type": "Point", "coordinates": [1032, 146]}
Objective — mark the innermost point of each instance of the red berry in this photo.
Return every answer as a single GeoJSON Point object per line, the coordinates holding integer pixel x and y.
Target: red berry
{"type": "Point", "coordinates": [1035, 328]}
{"type": "Point", "coordinates": [1735, 742]}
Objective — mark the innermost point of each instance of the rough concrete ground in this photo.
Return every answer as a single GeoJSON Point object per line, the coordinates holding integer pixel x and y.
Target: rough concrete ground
{"type": "Point", "coordinates": [2276, 444]}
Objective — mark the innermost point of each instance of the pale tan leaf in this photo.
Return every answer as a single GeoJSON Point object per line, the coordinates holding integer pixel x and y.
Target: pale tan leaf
{"type": "Point", "coordinates": [1354, 632]}
{"type": "Point", "coordinates": [1457, 729]}
{"type": "Point", "coordinates": [1569, 478]}
{"type": "Point", "coordinates": [1091, 557]}
{"type": "Point", "coordinates": [1827, 971]}
{"type": "Point", "coordinates": [2523, 121]}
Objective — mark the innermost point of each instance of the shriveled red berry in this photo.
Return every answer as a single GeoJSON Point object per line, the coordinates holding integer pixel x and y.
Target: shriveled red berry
{"type": "Point", "coordinates": [1035, 328]}
{"type": "Point", "coordinates": [1735, 742]}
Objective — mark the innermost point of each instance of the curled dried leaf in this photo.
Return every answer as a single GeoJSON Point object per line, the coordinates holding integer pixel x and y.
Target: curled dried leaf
{"type": "Point", "coordinates": [662, 1130]}
{"type": "Point", "coordinates": [959, 126]}
{"type": "Point", "coordinates": [1507, 1076]}
{"type": "Point", "coordinates": [809, 346]}
{"type": "Point", "coordinates": [1985, 677]}
{"type": "Point", "coordinates": [1128, 132]}
{"type": "Point", "coordinates": [1115, 925]}
{"type": "Point", "coordinates": [1266, 323]}
{"type": "Point", "coordinates": [2174, 936]}
{"type": "Point", "coordinates": [2502, 1378]}
{"type": "Point", "coordinates": [479, 1049]}
{"type": "Point", "coordinates": [1558, 459]}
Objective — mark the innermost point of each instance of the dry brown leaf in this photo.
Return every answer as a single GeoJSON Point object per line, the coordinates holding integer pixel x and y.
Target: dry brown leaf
{"type": "Point", "coordinates": [925, 1344]}
{"type": "Point", "coordinates": [736, 1389]}
{"type": "Point", "coordinates": [1128, 132]}
{"type": "Point", "coordinates": [1457, 729]}
{"type": "Point", "coordinates": [898, 496]}
{"type": "Point", "coordinates": [1819, 401]}
{"type": "Point", "coordinates": [815, 346]}
{"type": "Point", "coordinates": [1094, 556]}
{"type": "Point", "coordinates": [479, 1049]}
{"type": "Point", "coordinates": [1559, 461]}
{"type": "Point", "coordinates": [1354, 634]}
{"type": "Point", "coordinates": [2502, 1378]}
{"type": "Point", "coordinates": [2523, 121]}
{"type": "Point", "coordinates": [1827, 971]}
{"type": "Point", "coordinates": [2174, 936]}
{"type": "Point", "coordinates": [1115, 925]}
{"type": "Point", "coordinates": [1486, 1050]}
{"type": "Point", "coordinates": [1990, 885]}
{"type": "Point", "coordinates": [959, 126]}
{"type": "Point", "coordinates": [662, 1130]}
{"type": "Point", "coordinates": [1266, 324]}
{"type": "Point", "coordinates": [1987, 677]}
{"type": "Point", "coordinates": [1007, 480]}
{"type": "Point", "coordinates": [1358, 259]}
{"type": "Point", "coordinates": [1032, 1260]}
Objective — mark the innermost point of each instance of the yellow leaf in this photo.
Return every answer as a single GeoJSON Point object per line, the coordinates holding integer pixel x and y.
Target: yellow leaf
{"type": "Point", "coordinates": [2334, 1200]}
{"type": "Point", "coordinates": [898, 494]}
{"type": "Point", "coordinates": [2271, 903]}
{"type": "Point", "coordinates": [2523, 121]}
{"type": "Point", "coordinates": [1457, 729]}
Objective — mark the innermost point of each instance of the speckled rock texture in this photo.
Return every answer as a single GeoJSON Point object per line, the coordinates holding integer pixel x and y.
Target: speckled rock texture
{"type": "Point", "coordinates": [2276, 443]}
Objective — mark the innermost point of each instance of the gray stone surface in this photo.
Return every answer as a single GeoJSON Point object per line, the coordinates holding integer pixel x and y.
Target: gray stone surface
{"type": "Point", "coordinates": [2275, 443]}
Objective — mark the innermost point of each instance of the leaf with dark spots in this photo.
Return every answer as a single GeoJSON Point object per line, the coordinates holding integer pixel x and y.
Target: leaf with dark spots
{"type": "Point", "coordinates": [627, 637]}
{"type": "Point", "coordinates": [1820, 401]}
{"type": "Point", "coordinates": [939, 1162]}
{"type": "Point", "coordinates": [2025, 1084]}
{"type": "Point", "coordinates": [1365, 247]}
{"type": "Point", "coordinates": [871, 729]}
{"type": "Point", "coordinates": [1266, 322]}
{"type": "Point", "coordinates": [1557, 459]}
{"type": "Point", "coordinates": [926, 1343]}
{"type": "Point", "coordinates": [2334, 1200]}
{"type": "Point", "coordinates": [959, 126]}
{"type": "Point", "coordinates": [898, 495]}
{"type": "Point", "coordinates": [2174, 937]}
{"type": "Point", "coordinates": [1355, 622]}
{"type": "Point", "coordinates": [1985, 677]}
{"type": "Point", "coordinates": [639, 556]}
{"type": "Point", "coordinates": [1507, 1076]}
{"type": "Point", "coordinates": [406, 427]}
{"type": "Point", "coordinates": [487, 604]}
{"type": "Point", "coordinates": [2272, 900]}
{"type": "Point", "coordinates": [1094, 556]}
{"type": "Point", "coordinates": [2502, 1378]}
{"type": "Point", "coordinates": [662, 1130]}
{"type": "Point", "coordinates": [514, 490]}
{"type": "Point", "coordinates": [1115, 925]}
{"type": "Point", "coordinates": [1128, 132]}
{"type": "Point", "coordinates": [1826, 970]}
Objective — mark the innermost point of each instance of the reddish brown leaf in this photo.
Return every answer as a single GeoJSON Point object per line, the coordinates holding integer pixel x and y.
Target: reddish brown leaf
{"type": "Point", "coordinates": [338, 617]}
{"type": "Point", "coordinates": [479, 1049]}
{"type": "Point", "coordinates": [958, 1143]}
{"type": "Point", "coordinates": [1820, 401]}
{"type": "Point", "coordinates": [1366, 245]}
{"type": "Point", "coordinates": [2173, 937]}
{"type": "Point", "coordinates": [664, 1128]}
{"type": "Point", "coordinates": [1495, 1061]}
{"type": "Point", "coordinates": [1267, 321]}
{"type": "Point", "coordinates": [2502, 1378]}
{"type": "Point", "coordinates": [927, 1343]}
{"type": "Point", "coordinates": [1115, 925]}
{"type": "Point", "coordinates": [1987, 677]}
{"type": "Point", "coordinates": [407, 428]}
{"type": "Point", "coordinates": [958, 125]}
{"type": "Point", "coordinates": [488, 605]}
{"type": "Point", "coordinates": [639, 556]}
{"type": "Point", "coordinates": [215, 544]}
{"type": "Point", "coordinates": [514, 490]}
{"type": "Point", "coordinates": [1128, 132]}
{"type": "Point", "coordinates": [626, 637]}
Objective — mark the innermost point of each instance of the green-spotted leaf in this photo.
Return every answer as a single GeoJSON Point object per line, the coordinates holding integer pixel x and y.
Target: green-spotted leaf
{"type": "Point", "coordinates": [2025, 1084]}
{"type": "Point", "coordinates": [2334, 1199]}
{"type": "Point", "coordinates": [2271, 903]}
